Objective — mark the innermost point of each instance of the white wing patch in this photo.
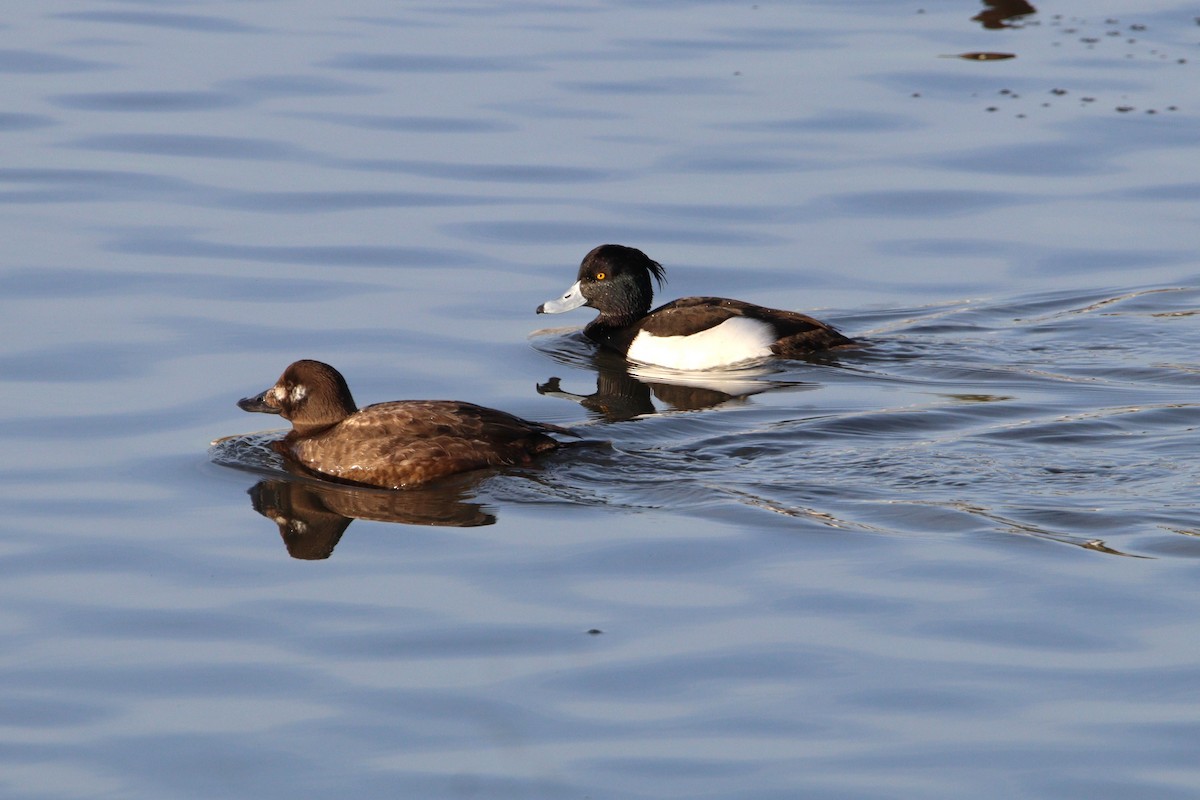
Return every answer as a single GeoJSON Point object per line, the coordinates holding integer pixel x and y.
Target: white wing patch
{"type": "Point", "coordinates": [734, 340]}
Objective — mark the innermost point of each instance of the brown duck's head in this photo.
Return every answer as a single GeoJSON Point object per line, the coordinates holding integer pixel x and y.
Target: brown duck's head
{"type": "Point", "coordinates": [310, 394]}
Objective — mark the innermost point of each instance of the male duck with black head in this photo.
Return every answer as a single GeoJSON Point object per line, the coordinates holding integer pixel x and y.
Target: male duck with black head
{"type": "Point", "coordinates": [690, 333]}
{"type": "Point", "coordinates": [394, 445]}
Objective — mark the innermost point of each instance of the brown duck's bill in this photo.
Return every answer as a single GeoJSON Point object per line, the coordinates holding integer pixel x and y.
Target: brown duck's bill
{"type": "Point", "coordinates": [258, 403]}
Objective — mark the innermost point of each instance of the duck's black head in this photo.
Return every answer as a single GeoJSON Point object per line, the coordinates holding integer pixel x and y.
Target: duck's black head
{"type": "Point", "coordinates": [615, 280]}
{"type": "Point", "coordinates": [311, 394]}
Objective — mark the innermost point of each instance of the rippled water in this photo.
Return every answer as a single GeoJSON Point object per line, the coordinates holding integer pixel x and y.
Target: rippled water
{"type": "Point", "coordinates": [957, 562]}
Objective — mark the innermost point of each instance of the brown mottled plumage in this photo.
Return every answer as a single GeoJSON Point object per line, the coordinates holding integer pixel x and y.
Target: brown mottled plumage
{"type": "Point", "coordinates": [392, 445]}
{"type": "Point", "coordinates": [617, 281]}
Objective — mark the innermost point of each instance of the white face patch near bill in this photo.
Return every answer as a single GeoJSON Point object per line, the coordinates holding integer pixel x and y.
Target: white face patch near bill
{"type": "Point", "coordinates": [293, 397]}
{"type": "Point", "coordinates": [734, 340]}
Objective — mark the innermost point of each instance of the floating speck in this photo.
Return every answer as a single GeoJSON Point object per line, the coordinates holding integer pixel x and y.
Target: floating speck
{"type": "Point", "coordinates": [984, 56]}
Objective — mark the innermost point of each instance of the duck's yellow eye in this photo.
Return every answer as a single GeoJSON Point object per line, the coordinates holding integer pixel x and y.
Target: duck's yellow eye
{"type": "Point", "coordinates": [599, 276]}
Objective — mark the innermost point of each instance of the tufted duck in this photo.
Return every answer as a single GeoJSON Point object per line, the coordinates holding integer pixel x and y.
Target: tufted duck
{"type": "Point", "coordinates": [391, 445]}
{"type": "Point", "coordinates": [689, 333]}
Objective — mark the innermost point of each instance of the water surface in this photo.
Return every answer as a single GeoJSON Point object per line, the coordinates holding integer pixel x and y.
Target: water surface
{"type": "Point", "coordinates": [957, 562]}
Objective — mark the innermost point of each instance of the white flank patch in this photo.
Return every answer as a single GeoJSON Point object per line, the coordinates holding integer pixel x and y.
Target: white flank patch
{"type": "Point", "coordinates": [734, 340]}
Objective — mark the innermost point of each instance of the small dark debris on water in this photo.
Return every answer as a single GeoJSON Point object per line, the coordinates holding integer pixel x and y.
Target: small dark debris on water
{"type": "Point", "coordinates": [1059, 92]}
{"type": "Point", "coordinates": [992, 108]}
{"type": "Point", "coordinates": [594, 631]}
{"type": "Point", "coordinates": [1125, 109]}
{"type": "Point", "coordinates": [1002, 14]}
{"type": "Point", "coordinates": [984, 56]}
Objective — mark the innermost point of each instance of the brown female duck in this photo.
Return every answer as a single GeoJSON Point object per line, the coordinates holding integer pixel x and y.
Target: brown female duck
{"type": "Point", "coordinates": [392, 445]}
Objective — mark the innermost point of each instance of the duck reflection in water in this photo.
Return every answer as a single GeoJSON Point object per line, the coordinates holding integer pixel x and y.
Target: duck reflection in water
{"type": "Point", "coordinates": [625, 391]}
{"type": "Point", "coordinates": [312, 517]}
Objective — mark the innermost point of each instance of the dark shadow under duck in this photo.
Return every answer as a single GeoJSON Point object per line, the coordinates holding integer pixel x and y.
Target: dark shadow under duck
{"type": "Point", "coordinates": [393, 445]}
{"type": "Point", "coordinates": [691, 333]}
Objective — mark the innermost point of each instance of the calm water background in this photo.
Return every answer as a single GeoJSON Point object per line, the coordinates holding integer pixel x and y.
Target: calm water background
{"type": "Point", "coordinates": [962, 562]}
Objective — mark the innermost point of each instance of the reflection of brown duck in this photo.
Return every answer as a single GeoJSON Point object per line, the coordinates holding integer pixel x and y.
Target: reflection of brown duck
{"type": "Point", "coordinates": [313, 517]}
{"type": "Point", "coordinates": [392, 445]}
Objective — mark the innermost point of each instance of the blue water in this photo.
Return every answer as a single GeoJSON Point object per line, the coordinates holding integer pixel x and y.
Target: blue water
{"type": "Point", "coordinates": [958, 562]}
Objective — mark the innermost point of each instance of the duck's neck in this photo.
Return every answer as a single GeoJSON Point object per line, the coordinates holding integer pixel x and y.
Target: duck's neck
{"type": "Point", "coordinates": [304, 430]}
{"type": "Point", "coordinates": [321, 414]}
{"type": "Point", "coordinates": [612, 331]}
